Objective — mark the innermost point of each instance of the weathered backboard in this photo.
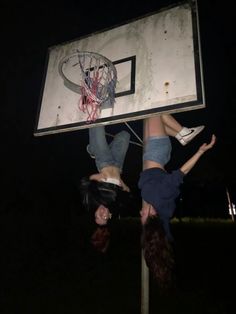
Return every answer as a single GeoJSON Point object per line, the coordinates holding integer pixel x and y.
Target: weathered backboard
{"type": "Point", "coordinates": [158, 63]}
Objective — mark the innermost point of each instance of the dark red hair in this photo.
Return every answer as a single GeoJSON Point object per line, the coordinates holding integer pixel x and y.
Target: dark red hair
{"type": "Point", "coordinates": [100, 239]}
{"type": "Point", "coordinates": [158, 252]}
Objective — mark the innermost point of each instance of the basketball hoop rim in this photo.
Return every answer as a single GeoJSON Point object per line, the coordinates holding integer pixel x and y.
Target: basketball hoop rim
{"type": "Point", "coordinates": [71, 85]}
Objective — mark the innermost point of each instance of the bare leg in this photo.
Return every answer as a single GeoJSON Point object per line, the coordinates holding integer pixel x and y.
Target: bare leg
{"type": "Point", "coordinates": [171, 125]}
{"type": "Point", "coordinates": [183, 134]}
{"type": "Point", "coordinates": [170, 131]}
{"type": "Point", "coordinates": [164, 124]}
{"type": "Point", "coordinates": [153, 127]}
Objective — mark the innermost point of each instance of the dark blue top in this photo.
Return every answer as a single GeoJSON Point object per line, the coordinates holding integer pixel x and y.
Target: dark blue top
{"type": "Point", "coordinates": [160, 189]}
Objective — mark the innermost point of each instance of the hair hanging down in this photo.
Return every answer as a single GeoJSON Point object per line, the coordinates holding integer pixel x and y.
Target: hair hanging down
{"type": "Point", "coordinates": [100, 239]}
{"type": "Point", "coordinates": [95, 193]}
{"type": "Point", "coordinates": [158, 252]}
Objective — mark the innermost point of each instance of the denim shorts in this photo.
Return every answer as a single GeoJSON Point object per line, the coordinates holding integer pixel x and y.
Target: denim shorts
{"type": "Point", "coordinates": [158, 149]}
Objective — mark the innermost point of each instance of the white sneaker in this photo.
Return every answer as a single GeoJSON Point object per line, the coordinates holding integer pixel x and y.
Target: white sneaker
{"type": "Point", "coordinates": [88, 151]}
{"type": "Point", "coordinates": [185, 139]}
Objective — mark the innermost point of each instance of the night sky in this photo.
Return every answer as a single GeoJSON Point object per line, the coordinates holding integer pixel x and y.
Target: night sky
{"type": "Point", "coordinates": [44, 171]}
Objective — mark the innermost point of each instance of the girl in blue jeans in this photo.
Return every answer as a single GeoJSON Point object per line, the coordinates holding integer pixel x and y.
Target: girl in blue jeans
{"type": "Point", "coordinates": [105, 191]}
{"type": "Point", "coordinates": [102, 191]}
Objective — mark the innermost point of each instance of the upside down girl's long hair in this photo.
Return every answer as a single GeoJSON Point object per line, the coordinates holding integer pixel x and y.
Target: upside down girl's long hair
{"type": "Point", "coordinates": [94, 194]}
{"type": "Point", "coordinates": [158, 252]}
{"type": "Point", "coordinates": [100, 239]}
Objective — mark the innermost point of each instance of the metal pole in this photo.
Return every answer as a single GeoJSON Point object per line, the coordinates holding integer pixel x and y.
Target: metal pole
{"type": "Point", "coordinates": [131, 142]}
{"type": "Point", "coordinates": [144, 286]}
{"type": "Point", "coordinates": [128, 126]}
{"type": "Point", "coordinates": [144, 281]}
{"type": "Point", "coordinates": [230, 204]}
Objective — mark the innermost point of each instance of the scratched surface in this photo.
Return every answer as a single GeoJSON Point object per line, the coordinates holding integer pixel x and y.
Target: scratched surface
{"type": "Point", "coordinates": [158, 68]}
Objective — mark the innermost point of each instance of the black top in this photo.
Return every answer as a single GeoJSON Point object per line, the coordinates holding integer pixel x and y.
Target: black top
{"type": "Point", "coordinates": [160, 189]}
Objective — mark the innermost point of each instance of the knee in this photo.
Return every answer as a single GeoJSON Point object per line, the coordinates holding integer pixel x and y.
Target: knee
{"type": "Point", "coordinates": [125, 135]}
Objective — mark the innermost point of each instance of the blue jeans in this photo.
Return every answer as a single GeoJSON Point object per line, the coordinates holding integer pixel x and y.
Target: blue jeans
{"type": "Point", "coordinates": [112, 154]}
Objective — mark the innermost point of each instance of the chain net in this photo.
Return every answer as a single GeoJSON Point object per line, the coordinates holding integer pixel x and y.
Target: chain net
{"type": "Point", "coordinates": [99, 77]}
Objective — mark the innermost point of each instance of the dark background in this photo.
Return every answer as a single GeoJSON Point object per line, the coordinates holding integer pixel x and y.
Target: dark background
{"type": "Point", "coordinates": [46, 263]}
{"type": "Point", "coordinates": [41, 173]}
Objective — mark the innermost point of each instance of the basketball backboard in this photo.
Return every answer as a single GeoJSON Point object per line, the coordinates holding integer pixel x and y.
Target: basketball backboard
{"type": "Point", "coordinates": [158, 63]}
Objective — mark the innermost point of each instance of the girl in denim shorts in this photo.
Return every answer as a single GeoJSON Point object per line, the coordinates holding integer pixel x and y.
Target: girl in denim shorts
{"type": "Point", "coordinates": [159, 190]}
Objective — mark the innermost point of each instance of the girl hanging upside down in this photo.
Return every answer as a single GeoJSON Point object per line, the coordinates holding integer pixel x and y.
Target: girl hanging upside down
{"type": "Point", "coordinates": [104, 192]}
{"type": "Point", "coordinates": [159, 190]}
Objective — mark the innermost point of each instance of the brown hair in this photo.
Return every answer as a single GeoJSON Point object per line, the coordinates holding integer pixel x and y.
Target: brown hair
{"type": "Point", "coordinates": [100, 239]}
{"type": "Point", "coordinates": [158, 252]}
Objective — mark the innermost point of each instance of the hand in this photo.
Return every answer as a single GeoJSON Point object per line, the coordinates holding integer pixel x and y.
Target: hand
{"type": "Point", "coordinates": [206, 146]}
{"type": "Point", "coordinates": [194, 159]}
{"type": "Point", "coordinates": [124, 186]}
